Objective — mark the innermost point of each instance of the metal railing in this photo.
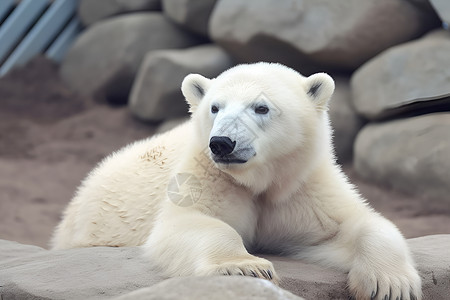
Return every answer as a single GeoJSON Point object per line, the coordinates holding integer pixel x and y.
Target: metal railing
{"type": "Point", "coordinates": [32, 27]}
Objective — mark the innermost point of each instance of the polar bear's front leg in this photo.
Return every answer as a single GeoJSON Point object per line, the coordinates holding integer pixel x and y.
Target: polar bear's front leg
{"type": "Point", "coordinates": [376, 256]}
{"type": "Point", "coordinates": [382, 267]}
{"type": "Point", "coordinates": [186, 242]}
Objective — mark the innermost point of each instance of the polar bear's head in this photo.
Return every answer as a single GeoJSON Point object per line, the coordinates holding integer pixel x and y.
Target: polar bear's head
{"type": "Point", "coordinates": [254, 118]}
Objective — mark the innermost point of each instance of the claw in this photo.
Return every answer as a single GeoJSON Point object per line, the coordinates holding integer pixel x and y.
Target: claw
{"type": "Point", "coordinates": [270, 274]}
{"type": "Point", "coordinates": [373, 295]}
{"type": "Point", "coordinates": [264, 273]}
{"type": "Point", "coordinates": [253, 274]}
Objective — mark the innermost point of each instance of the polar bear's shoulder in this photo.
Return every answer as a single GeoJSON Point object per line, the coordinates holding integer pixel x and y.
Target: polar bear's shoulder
{"type": "Point", "coordinates": [164, 146]}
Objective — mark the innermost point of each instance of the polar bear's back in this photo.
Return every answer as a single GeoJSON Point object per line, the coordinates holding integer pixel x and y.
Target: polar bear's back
{"type": "Point", "coordinates": [117, 202]}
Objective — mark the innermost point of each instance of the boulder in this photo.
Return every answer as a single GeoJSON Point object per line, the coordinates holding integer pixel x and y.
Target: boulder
{"type": "Point", "coordinates": [105, 58]}
{"type": "Point", "coordinates": [217, 288]}
{"type": "Point", "coordinates": [405, 79]}
{"type": "Point", "coordinates": [410, 155]}
{"type": "Point", "coordinates": [344, 119]}
{"type": "Point", "coordinates": [156, 93]}
{"type": "Point", "coordinates": [29, 272]}
{"type": "Point", "coordinates": [92, 11]}
{"type": "Point", "coordinates": [191, 14]}
{"type": "Point", "coordinates": [12, 250]}
{"type": "Point", "coordinates": [435, 274]}
{"type": "Point", "coordinates": [310, 34]}
{"type": "Point", "coordinates": [82, 273]}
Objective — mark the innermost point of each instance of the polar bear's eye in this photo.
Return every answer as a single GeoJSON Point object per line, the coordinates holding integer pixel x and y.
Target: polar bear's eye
{"type": "Point", "coordinates": [214, 109]}
{"type": "Point", "coordinates": [261, 109]}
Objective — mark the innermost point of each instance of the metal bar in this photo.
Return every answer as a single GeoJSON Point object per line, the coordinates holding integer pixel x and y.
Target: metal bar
{"type": "Point", "coordinates": [65, 39]}
{"type": "Point", "coordinates": [18, 23]}
{"type": "Point", "coordinates": [41, 34]}
{"type": "Point", "coordinates": [5, 7]}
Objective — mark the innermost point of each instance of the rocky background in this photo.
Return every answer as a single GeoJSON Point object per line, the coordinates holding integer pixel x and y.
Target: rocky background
{"type": "Point", "coordinates": [390, 58]}
{"type": "Point", "coordinates": [121, 80]}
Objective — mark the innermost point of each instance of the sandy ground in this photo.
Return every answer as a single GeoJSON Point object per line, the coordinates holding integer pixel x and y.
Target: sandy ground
{"type": "Point", "coordinates": [50, 138]}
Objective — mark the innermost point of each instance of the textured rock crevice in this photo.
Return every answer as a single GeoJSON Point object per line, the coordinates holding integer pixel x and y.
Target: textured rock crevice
{"type": "Point", "coordinates": [404, 79]}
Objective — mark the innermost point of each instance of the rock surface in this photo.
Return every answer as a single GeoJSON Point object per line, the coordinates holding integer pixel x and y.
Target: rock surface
{"type": "Point", "coordinates": [83, 273]}
{"type": "Point", "coordinates": [105, 58]}
{"type": "Point", "coordinates": [435, 273]}
{"type": "Point", "coordinates": [323, 33]}
{"type": "Point", "coordinates": [34, 273]}
{"type": "Point", "coordinates": [344, 119]}
{"type": "Point", "coordinates": [191, 14]}
{"type": "Point", "coordinates": [409, 155]}
{"type": "Point", "coordinates": [156, 93]}
{"type": "Point", "coordinates": [217, 288]}
{"type": "Point", "coordinates": [405, 78]}
{"type": "Point", "coordinates": [92, 11]}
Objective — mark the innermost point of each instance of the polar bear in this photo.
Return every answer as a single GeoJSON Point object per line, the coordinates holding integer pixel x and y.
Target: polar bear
{"type": "Point", "coordinates": [252, 171]}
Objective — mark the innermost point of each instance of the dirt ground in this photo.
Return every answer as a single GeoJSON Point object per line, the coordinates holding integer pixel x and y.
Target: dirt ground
{"type": "Point", "coordinates": [50, 138]}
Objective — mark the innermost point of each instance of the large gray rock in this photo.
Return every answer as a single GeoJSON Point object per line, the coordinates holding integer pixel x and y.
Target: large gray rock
{"type": "Point", "coordinates": [83, 273]}
{"type": "Point", "coordinates": [328, 33]}
{"type": "Point", "coordinates": [191, 14]}
{"type": "Point", "coordinates": [102, 273]}
{"type": "Point", "coordinates": [217, 288]}
{"type": "Point", "coordinates": [156, 93]}
{"type": "Point", "coordinates": [105, 58]}
{"type": "Point", "coordinates": [435, 274]}
{"type": "Point", "coordinates": [12, 250]}
{"type": "Point", "coordinates": [91, 11]}
{"type": "Point", "coordinates": [409, 155]}
{"type": "Point", "coordinates": [344, 119]}
{"type": "Point", "coordinates": [405, 78]}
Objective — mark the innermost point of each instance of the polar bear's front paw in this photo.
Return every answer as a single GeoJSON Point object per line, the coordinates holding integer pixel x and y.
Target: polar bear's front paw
{"type": "Point", "coordinates": [395, 284]}
{"type": "Point", "coordinates": [245, 266]}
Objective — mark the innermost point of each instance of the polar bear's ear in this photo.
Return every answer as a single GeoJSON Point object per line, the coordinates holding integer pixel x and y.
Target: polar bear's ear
{"type": "Point", "coordinates": [194, 87]}
{"type": "Point", "coordinates": [319, 87]}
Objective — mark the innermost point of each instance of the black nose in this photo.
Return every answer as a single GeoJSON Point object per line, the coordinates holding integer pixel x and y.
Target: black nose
{"type": "Point", "coordinates": [221, 145]}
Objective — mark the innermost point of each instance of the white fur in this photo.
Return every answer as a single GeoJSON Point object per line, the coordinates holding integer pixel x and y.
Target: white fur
{"type": "Point", "coordinates": [290, 198]}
